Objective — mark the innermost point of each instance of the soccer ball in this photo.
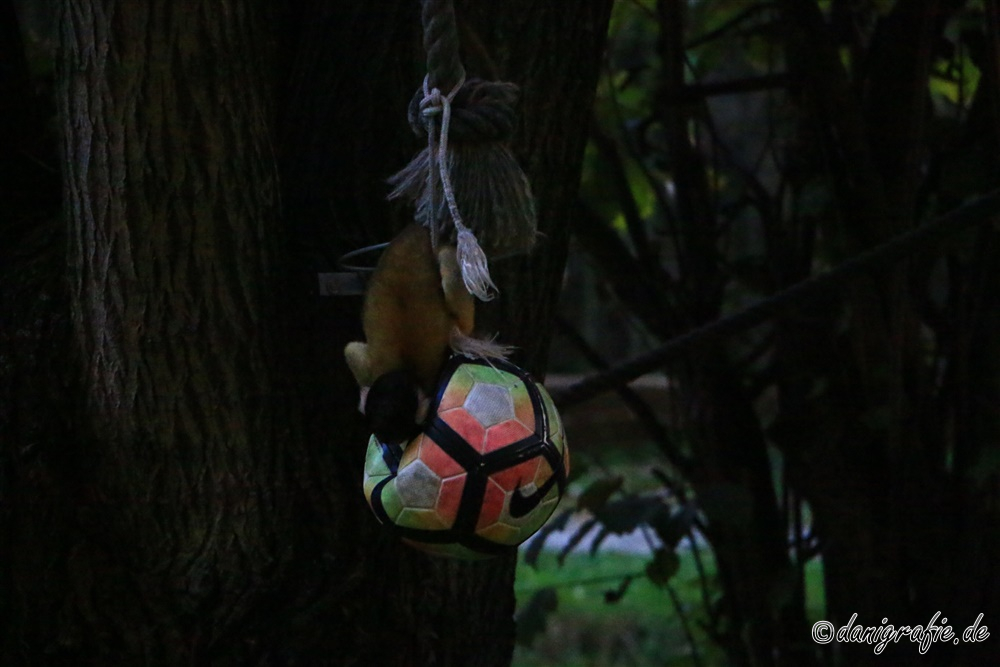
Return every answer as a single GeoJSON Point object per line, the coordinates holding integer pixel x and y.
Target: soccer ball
{"type": "Point", "coordinates": [485, 473]}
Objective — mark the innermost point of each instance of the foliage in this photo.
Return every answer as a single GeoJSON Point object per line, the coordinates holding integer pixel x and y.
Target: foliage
{"type": "Point", "coordinates": [738, 148]}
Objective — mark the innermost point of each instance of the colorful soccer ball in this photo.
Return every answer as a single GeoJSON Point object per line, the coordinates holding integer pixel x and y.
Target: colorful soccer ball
{"type": "Point", "coordinates": [485, 473]}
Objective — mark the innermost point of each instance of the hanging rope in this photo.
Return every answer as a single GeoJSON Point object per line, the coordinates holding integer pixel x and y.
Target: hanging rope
{"type": "Point", "coordinates": [444, 65]}
{"type": "Point", "coordinates": [471, 258]}
{"type": "Point", "coordinates": [899, 247]}
{"type": "Point", "coordinates": [467, 186]}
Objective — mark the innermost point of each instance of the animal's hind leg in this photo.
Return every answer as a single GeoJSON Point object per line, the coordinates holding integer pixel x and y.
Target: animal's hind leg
{"type": "Point", "coordinates": [358, 361]}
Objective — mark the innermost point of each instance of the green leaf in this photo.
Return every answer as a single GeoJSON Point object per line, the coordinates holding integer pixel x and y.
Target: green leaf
{"type": "Point", "coordinates": [534, 548]}
{"type": "Point", "coordinates": [663, 567]}
{"type": "Point", "coordinates": [613, 596]}
{"type": "Point", "coordinates": [576, 538]}
{"type": "Point", "coordinates": [595, 496]}
{"type": "Point", "coordinates": [883, 7]}
{"type": "Point", "coordinates": [625, 515]}
{"type": "Point", "coordinates": [671, 528]}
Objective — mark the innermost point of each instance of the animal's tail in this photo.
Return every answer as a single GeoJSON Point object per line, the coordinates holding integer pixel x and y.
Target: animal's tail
{"type": "Point", "coordinates": [481, 348]}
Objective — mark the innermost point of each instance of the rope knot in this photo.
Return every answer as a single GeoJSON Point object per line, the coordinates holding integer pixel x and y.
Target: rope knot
{"type": "Point", "coordinates": [467, 167]}
{"type": "Point", "coordinates": [435, 103]}
{"type": "Point", "coordinates": [481, 111]}
{"type": "Point", "coordinates": [432, 104]}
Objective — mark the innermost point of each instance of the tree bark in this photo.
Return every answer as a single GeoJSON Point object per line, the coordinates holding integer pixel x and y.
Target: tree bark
{"type": "Point", "coordinates": [171, 195]}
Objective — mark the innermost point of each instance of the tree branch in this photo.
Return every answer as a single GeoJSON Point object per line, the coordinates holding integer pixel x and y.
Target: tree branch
{"type": "Point", "coordinates": [977, 211]}
{"type": "Point", "coordinates": [639, 407]}
{"type": "Point", "coordinates": [699, 91]}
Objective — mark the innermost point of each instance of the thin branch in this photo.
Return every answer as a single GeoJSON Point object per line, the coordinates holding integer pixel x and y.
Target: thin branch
{"type": "Point", "coordinates": [630, 209]}
{"type": "Point", "coordinates": [732, 23]}
{"type": "Point", "coordinates": [639, 407]}
{"type": "Point", "coordinates": [750, 84]}
{"type": "Point", "coordinates": [656, 185]}
{"type": "Point", "coordinates": [977, 211]}
{"type": "Point", "coordinates": [699, 566]}
{"type": "Point", "coordinates": [993, 68]}
{"type": "Point", "coordinates": [685, 625]}
{"type": "Point", "coordinates": [642, 291]}
{"type": "Point", "coordinates": [698, 256]}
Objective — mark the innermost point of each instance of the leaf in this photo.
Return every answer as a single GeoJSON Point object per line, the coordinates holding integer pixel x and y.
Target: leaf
{"type": "Point", "coordinates": [596, 495]}
{"type": "Point", "coordinates": [532, 619]}
{"type": "Point", "coordinates": [534, 548]}
{"type": "Point", "coordinates": [596, 543]}
{"type": "Point", "coordinates": [661, 476]}
{"type": "Point", "coordinates": [625, 515]}
{"type": "Point", "coordinates": [613, 596]}
{"type": "Point", "coordinates": [663, 567]}
{"type": "Point", "coordinates": [671, 528]}
{"type": "Point", "coordinates": [580, 533]}
{"type": "Point", "coordinates": [883, 7]}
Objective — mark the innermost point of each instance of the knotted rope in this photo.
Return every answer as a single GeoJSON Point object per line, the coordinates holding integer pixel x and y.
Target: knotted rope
{"type": "Point", "coordinates": [471, 258]}
{"type": "Point", "coordinates": [468, 163]}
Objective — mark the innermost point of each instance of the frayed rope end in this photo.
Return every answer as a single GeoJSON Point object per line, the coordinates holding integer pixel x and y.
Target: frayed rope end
{"type": "Point", "coordinates": [475, 268]}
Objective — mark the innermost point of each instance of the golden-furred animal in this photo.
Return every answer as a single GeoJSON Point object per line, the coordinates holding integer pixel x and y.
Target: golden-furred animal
{"type": "Point", "coordinates": [415, 306]}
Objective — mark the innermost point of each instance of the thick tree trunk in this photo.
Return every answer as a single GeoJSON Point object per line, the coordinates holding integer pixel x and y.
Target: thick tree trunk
{"type": "Point", "coordinates": [171, 194]}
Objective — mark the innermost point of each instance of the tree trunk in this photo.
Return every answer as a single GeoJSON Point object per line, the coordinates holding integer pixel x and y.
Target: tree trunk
{"type": "Point", "coordinates": [893, 512]}
{"type": "Point", "coordinates": [170, 189]}
{"type": "Point", "coordinates": [194, 508]}
{"type": "Point", "coordinates": [343, 132]}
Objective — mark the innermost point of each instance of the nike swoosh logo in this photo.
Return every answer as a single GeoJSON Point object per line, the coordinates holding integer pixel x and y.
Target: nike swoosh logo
{"type": "Point", "coordinates": [521, 505]}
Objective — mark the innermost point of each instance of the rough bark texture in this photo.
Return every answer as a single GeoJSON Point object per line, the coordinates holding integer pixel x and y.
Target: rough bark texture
{"type": "Point", "coordinates": [171, 194]}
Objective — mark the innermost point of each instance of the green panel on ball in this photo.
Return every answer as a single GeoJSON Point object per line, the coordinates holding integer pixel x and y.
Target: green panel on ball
{"type": "Point", "coordinates": [457, 388]}
{"type": "Point", "coordinates": [501, 533]}
{"type": "Point", "coordinates": [524, 411]}
{"type": "Point", "coordinates": [556, 433]}
{"type": "Point", "coordinates": [391, 501]}
{"type": "Point", "coordinates": [424, 519]}
{"type": "Point", "coordinates": [375, 468]}
{"type": "Point", "coordinates": [374, 463]}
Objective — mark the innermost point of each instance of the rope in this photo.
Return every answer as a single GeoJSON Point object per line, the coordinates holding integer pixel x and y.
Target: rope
{"type": "Point", "coordinates": [444, 70]}
{"type": "Point", "coordinates": [475, 269]}
{"type": "Point", "coordinates": [444, 66]}
{"type": "Point", "coordinates": [433, 104]}
{"type": "Point", "coordinates": [468, 154]}
{"type": "Point", "coordinates": [899, 247]}
{"type": "Point", "coordinates": [483, 110]}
